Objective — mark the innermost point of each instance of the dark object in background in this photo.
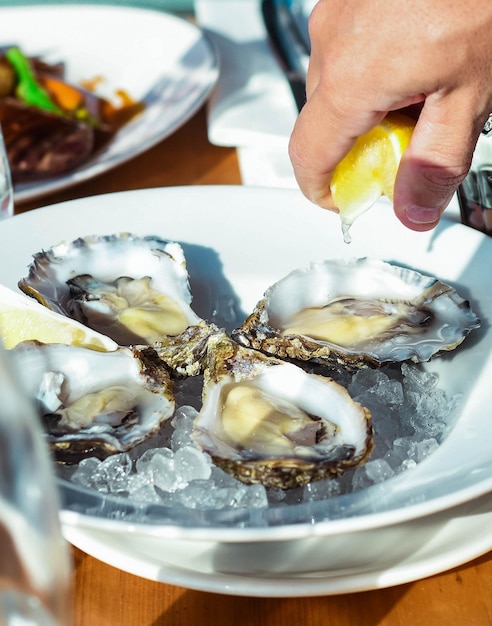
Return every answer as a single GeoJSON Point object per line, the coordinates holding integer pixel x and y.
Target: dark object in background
{"type": "Point", "coordinates": [475, 193]}
{"type": "Point", "coordinates": [475, 199]}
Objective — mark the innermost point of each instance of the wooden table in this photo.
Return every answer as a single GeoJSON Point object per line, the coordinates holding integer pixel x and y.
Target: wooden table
{"type": "Point", "coordinates": [105, 596]}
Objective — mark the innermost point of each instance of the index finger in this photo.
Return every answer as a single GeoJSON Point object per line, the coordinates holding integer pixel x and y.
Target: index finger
{"type": "Point", "coordinates": [322, 136]}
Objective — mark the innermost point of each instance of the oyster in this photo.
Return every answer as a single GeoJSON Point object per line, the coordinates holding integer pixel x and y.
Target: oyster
{"type": "Point", "coordinates": [357, 313]}
{"type": "Point", "coordinates": [133, 289]}
{"type": "Point", "coordinates": [186, 353]}
{"type": "Point", "coordinates": [95, 403]}
{"type": "Point", "coordinates": [23, 319]}
{"type": "Point", "coordinates": [265, 420]}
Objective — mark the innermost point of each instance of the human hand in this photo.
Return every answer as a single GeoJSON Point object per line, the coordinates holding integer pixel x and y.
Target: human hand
{"type": "Point", "coordinates": [370, 57]}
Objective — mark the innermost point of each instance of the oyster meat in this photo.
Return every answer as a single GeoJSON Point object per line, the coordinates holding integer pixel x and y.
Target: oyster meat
{"type": "Point", "coordinates": [95, 403]}
{"type": "Point", "coordinates": [133, 289]}
{"type": "Point", "coordinates": [357, 313]}
{"type": "Point", "coordinates": [267, 421]}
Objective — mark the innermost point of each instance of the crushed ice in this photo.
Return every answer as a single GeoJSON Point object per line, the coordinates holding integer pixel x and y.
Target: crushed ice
{"type": "Point", "coordinates": [411, 417]}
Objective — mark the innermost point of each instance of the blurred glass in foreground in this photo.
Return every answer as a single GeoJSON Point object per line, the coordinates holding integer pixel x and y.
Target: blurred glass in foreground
{"type": "Point", "coordinates": [6, 187]}
{"type": "Point", "coordinates": [35, 563]}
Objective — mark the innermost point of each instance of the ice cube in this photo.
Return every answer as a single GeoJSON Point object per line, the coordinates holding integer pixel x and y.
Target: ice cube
{"type": "Point", "coordinates": [321, 489]}
{"type": "Point", "coordinates": [85, 471]}
{"type": "Point", "coordinates": [418, 379]}
{"type": "Point", "coordinates": [191, 464]}
{"type": "Point", "coordinates": [360, 480]}
{"type": "Point", "coordinates": [406, 465]}
{"type": "Point", "coordinates": [144, 463]}
{"type": "Point", "coordinates": [183, 426]}
{"type": "Point", "coordinates": [252, 497]}
{"type": "Point", "coordinates": [389, 391]}
{"type": "Point", "coordinates": [221, 478]}
{"type": "Point", "coordinates": [379, 470]}
{"type": "Point", "coordinates": [395, 457]}
{"type": "Point", "coordinates": [141, 488]}
{"type": "Point", "coordinates": [364, 379]}
{"type": "Point", "coordinates": [116, 469]}
{"type": "Point", "coordinates": [421, 450]}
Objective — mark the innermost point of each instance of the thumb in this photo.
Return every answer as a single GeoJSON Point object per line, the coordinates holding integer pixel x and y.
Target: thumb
{"type": "Point", "coordinates": [433, 166]}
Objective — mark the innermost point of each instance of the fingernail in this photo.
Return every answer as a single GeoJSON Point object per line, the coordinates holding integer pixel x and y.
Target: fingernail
{"type": "Point", "coordinates": [423, 215]}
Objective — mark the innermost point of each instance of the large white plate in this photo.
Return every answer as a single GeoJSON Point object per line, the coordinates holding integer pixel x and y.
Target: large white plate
{"type": "Point", "coordinates": [156, 57]}
{"type": "Point", "coordinates": [240, 240]}
{"type": "Point", "coordinates": [345, 563]}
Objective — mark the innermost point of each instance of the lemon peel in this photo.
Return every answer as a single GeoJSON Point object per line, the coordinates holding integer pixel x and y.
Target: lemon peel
{"type": "Point", "coordinates": [24, 319]}
{"type": "Point", "coordinates": [369, 170]}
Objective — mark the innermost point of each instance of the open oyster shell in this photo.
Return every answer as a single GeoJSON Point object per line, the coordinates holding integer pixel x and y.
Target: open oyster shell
{"type": "Point", "coordinates": [267, 421]}
{"type": "Point", "coordinates": [186, 353]}
{"type": "Point", "coordinates": [356, 313]}
{"type": "Point", "coordinates": [133, 289]}
{"type": "Point", "coordinates": [95, 403]}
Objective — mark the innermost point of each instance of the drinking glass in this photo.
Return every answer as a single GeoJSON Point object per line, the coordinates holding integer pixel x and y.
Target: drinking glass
{"type": "Point", "coordinates": [35, 563]}
{"type": "Point", "coordinates": [6, 188]}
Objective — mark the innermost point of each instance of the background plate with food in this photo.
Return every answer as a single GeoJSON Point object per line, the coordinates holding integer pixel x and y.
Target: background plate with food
{"type": "Point", "coordinates": [156, 65]}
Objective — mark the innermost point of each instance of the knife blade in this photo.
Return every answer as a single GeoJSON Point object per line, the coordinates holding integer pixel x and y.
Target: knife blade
{"type": "Point", "coordinates": [289, 46]}
{"type": "Point", "coordinates": [299, 11]}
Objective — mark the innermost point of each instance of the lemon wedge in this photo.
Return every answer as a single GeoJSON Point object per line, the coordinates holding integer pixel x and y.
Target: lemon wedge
{"type": "Point", "coordinates": [23, 319]}
{"type": "Point", "coordinates": [368, 171]}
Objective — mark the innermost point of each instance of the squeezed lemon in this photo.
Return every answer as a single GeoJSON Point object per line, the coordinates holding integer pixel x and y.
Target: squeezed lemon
{"type": "Point", "coordinates": [23, 320]}
{"type": "Point", "coordinates": [368, 171]}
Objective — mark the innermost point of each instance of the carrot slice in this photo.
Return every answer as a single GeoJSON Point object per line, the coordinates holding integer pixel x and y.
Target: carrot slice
{"type": "Point", "coordinates": [66, 96]}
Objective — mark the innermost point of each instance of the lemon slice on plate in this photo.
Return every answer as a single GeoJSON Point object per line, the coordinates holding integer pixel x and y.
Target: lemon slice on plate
{"type": "Point", "coordinates": [368, 171]}
{"type": "Point", "coordinates": [23, 319]}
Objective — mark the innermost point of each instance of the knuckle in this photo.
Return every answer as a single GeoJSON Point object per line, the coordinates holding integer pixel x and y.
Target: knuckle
{"type": "Point", "coordinates": [445, 178]}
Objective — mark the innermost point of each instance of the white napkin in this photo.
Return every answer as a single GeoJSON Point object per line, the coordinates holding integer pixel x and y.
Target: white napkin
{"type": "Point", "coordinates": [252, 107]}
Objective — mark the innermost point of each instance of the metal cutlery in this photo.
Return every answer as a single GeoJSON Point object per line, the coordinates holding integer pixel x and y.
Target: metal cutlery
{"type": "Point", "coordinates": [289, 44]}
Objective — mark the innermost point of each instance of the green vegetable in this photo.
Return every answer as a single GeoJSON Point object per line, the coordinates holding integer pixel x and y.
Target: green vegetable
{"type": "Point", "coordinates": [28, 89]}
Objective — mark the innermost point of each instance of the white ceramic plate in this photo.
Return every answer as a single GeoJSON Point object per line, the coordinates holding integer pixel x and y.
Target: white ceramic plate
{"type": "Point", "coordinates": [240, 240]}
{"type": "Point", "coordinates": [345, 563]}
{"type": "Point", "coordinates": [153, 56]}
